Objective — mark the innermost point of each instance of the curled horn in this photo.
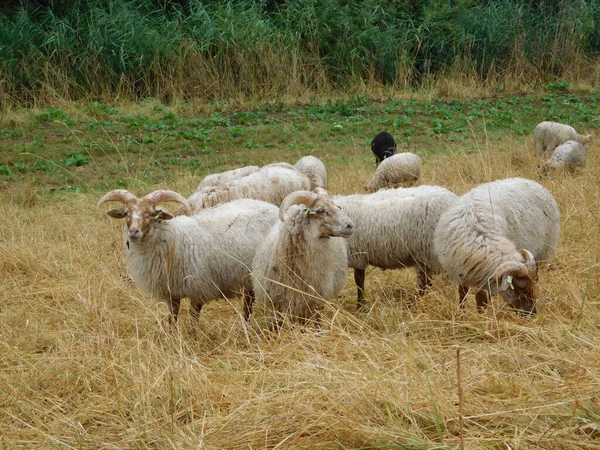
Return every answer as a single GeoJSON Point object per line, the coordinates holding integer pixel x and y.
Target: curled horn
{"type": "Point", "coordinates": [157, 197]}
{"type": "Point", "coordinates": [118, 195]}
{"type": "Point", "coordinates": [529, 259]}
{"type": "Point", "coordinates": [297, 198]}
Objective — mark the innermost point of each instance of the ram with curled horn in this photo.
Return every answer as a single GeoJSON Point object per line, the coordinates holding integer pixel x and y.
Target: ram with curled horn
{"type": "Point", "coordinates": [203, 257]}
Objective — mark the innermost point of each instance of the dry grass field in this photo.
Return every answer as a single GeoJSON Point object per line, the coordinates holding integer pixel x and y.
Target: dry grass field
{"type": "Point", "coordinates": [86, 361]}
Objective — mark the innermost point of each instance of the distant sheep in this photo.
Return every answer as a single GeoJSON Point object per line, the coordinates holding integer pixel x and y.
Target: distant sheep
{"type": "Point", "coordinates": [271, 183]}
{"type": "Point", "coordinates": [303, 259]}
{"type": "Point", "coordinates": [203, 257]}
{"type": "Point", "coordinates": [549, 135]}
{"type": "Point", "coordinates": [383, 146]}
{"type": "Point", "coordinates": [494, 236]}
{"type": "Point", "coordinates": [394, 229]}
{"type": "Point", "coordinates": [401, 169]}
{"type": "Point", "coordinates": [569, 156]}
{"type": "Point", "coordinates": [314, 169]}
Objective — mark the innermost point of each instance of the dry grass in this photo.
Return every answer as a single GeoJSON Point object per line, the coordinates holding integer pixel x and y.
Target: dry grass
{"type": "Point", "coordinates": [86, 362]}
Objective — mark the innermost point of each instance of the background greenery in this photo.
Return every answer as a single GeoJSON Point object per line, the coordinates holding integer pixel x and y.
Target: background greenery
{"type": "Point", "coordinates": [213, 50]}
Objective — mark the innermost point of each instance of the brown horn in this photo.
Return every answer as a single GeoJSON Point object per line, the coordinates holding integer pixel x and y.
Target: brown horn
{"type": "Point", "coordinates": [161, 196]}
{"type": "Point", "coordinates": [297, 198]}
{"type": "Point", "coordinates": [118, 195]}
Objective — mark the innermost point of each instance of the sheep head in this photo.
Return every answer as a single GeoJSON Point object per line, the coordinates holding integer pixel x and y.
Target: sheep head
{"type": "Point", "coordinates": [383, 146]}
{"type": "Point", "coordinates": [141, 213]}
{"type": "Point", "coordinates": [318, 208]}
{"type": "Point", "coordinates": [517, 284]}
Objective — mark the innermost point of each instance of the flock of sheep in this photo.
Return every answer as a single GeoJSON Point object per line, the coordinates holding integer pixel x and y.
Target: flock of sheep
{"type": "Point", "coordinates": [274, 233]}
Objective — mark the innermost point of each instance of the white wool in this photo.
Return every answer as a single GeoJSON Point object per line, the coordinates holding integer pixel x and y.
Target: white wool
{"type": "Point", "coordinates": [396, 170]}
{"type": "Point", "coordinates": [549, 135]}
{"type": "Point", "coordinates": [395, 227]}
{"type": "Point", "coordinates": [271, 183]}
{"type": "Point", "coordinates": [485, 229]}
{"type": "Point", "coordinates": [568, 156]}
{"type": "Point", "coordinates": [203, 257]}
{"type": "Point", "coordinates": [314, 169]}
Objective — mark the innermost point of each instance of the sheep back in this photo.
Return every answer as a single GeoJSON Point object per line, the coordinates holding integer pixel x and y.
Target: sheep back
{"type": "Point", "coordinates": [396, 170]}
{"type": "Point", "coordinates": [272, 183]}
{"type": "Point", "coordinates": [394, 228]}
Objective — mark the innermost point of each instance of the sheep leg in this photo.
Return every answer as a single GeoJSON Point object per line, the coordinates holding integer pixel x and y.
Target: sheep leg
{"type": "Point", "coordinates": [482, 297]}
{"type": "Point", "coordinates": [248, 303]}
{"type": "Point", "coordinates": [423, 282]}
{"type": "Point", "coordinates": [359, 279]}
{"type": "Point", "coordinates": [462, 295]}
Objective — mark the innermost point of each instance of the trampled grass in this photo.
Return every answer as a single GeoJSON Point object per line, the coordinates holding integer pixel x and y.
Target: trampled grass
{"type": "Point", "coordinates": [86, 361]}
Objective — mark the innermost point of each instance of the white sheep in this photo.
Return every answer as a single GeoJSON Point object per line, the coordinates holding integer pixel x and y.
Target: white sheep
{"type": "Point", "coordinates": [303, 260]}
{"type": "Point", "coordinates": [400, 169]}
{"type": "Point", "coordinates": [549, 135]}
{"type": "Point", "coordinates": [314, 169]}
{"type": "Point", "coordinates": [270, 183]}
{"type": "Point", "coordinates": [394, 229]}
{"type": "Point", "coordinates": [203, 257]}
{"type": "Point", "coordinates": [491, 238]}
{"type": "Point", "coordinates": [568, 156]}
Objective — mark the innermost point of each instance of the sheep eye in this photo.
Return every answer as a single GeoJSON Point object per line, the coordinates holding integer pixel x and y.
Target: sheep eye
{"type": "Point", "coordinates": [319, 210]}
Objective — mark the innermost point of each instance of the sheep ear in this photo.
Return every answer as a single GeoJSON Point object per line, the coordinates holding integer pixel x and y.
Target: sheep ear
{"type": "Point", "coordinates": [162, 215]}
{"type": "Point", "coordinates": [118, 213]}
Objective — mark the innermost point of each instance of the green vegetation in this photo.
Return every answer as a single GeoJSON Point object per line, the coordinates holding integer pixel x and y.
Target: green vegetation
{"type": "Point", "coordinates": [86, 147]}
{"type": "Point", "coordinates": [215, 50]}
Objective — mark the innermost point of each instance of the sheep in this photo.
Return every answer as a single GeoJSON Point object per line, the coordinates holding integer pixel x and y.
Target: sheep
{"type": "Point", "coordinates": [383, 146]}
{"type": "Point", "coordinates": [549, 135]}
{"type": "Point", "coordinates": [270, 183]}
{"type": "Point", "coordinates": [303, 260]}
{"type": "Point", "coordinates": [493, 238]}
{"type": "Point", "coordinates": [396, 170]}
{"type": "Point", "coordinates": [568, 156]}
{"type": "Point", "coordinates": [314, 169]}
{"type": "Point", "coordinates": [202, 257]}
{"type": "Point", "coordinates": [394, 229]}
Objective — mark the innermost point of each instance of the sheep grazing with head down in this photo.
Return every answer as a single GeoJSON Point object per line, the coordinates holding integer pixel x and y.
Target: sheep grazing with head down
{"type": "Point", "coordinates": [394, 229]}
{"type": "Point", "coordinates": [383, 146]}
{"type": "Point", "coordinates": [549, 135]}
{"type": "Point", "coordinates": [303, 260]}
{"type": "Point", "coordinates": [270, 183]}
{"type": "Point", "coordinates": [314, 169]}
{"type": "Point", "coordinates": [401, 169]}
{"type": "Point", "coordinates": [493, 238]}
{"type": "Point", "coordinates": [569, 156]}
{"type": "Point", "coordinates": [203, 257]}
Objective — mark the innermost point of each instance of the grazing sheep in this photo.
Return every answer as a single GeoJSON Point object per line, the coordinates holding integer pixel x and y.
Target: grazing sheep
{"type": "Point", "coordinates": [396, 170]}
{"type": "Point", "coordinates": [303, 259]}
{"type": "Point", "coordinates": [394, 229]}
{"type": "Point", "coordinates": [202, 257]}
{"type": "Point", "coordinates": [568, 156]}
{"type": "Point", "coordinates": [314, 169]}
{"type": "Point", "coordinates": [491, 238]}
{"type": "Point", "coordinates": [549, 135]}
{"type": "Point", "coordinates": [270, 183]}
{"type": "Point", "coordinates": [383, 146]}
